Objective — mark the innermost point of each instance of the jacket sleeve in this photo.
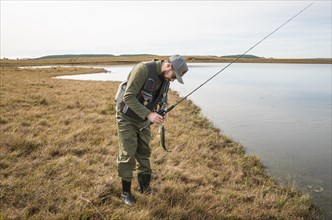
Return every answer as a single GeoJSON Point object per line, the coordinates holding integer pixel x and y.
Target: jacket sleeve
{"type": "Point", "coordinates": [136, 81]}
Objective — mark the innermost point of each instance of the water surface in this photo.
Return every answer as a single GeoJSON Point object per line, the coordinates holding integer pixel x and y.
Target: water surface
{"type": "Point", "coordinates": [281, 112]}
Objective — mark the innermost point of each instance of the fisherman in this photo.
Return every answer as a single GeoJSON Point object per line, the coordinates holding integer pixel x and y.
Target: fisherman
{"type": "Point", "coordinates": [138, 99]}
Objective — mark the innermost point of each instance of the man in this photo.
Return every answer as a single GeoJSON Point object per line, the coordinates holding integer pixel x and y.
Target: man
{"type": "Point", "coordinates": [137, 100]}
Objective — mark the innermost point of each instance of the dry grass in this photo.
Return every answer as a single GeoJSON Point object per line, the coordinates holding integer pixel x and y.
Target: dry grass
{"type": "Point", "coordinates": [58, 159]}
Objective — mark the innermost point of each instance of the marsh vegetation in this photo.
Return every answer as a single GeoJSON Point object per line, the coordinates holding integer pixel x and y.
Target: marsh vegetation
{"type": "Point", "coordinates": [58, 159]}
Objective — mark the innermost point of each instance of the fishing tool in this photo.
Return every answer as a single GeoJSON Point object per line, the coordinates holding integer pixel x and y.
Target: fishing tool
{"type": "Point", "coordinates": [162, 107]}
{"type": "Point", "coordinates": [162, 132]}
{"type": "Point", "coordinates": [163, 112]}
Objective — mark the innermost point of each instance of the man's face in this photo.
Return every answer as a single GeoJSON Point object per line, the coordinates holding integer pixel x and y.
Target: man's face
{"type": "Point", "coordinates": [170, 74]}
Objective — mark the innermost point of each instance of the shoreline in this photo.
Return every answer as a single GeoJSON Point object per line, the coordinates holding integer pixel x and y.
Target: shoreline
{"type": "Point", "coordinates": [60, 143]}
{"type": "Point", "coordinates": [135, 59]}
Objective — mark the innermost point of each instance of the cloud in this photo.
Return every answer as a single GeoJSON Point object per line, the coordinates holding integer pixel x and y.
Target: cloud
{"type": "Point", "coordinates": [37, 28]}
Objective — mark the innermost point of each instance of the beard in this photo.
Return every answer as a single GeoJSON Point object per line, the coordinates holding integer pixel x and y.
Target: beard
{"type": "Point", "coordinates": [164, 73]}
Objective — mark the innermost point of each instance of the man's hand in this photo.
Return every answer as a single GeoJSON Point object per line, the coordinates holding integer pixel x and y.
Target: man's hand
{"type": "Point", "coordinates": [155, 118]}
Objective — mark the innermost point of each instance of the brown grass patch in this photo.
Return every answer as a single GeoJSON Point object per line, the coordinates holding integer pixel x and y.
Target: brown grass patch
{"type": "Point", "coordinates": [58, 159]}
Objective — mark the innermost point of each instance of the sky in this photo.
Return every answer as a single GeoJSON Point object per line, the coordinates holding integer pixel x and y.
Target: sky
{"type": "Point", "coordinates": [31, 29]}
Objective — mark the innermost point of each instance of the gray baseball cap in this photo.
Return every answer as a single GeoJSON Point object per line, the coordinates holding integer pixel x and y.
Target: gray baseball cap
{"type": "Point", "coordinates": [180, 66]}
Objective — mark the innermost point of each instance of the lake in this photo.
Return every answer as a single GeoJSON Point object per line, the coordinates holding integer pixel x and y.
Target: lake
{"type": "Point", "coordinates": [280, 112]}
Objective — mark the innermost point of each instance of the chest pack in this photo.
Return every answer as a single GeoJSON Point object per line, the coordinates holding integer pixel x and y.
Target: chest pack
{"type": "Point", "coordinates": [151, 95]}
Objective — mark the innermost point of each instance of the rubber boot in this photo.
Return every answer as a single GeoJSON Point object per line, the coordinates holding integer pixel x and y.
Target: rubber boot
{"type": "Point", "coordinates": [126, 196]}
{"type": "Point", "coordinates": [144, 183]}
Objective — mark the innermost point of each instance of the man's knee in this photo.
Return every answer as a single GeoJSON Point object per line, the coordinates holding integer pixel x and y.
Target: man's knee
{"type": "Point", "coordinates": [126, 165]}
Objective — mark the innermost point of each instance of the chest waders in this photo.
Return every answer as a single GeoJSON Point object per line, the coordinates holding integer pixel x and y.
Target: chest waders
{"type": "Point", "coordinates": [152, 95]}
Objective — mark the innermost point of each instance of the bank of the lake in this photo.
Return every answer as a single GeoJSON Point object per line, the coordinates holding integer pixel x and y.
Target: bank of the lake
{"type": "Point", "coordinates": [279, 112]}
{"type": "Point", "coordinates": [59, 147]}
{"type": "Point", "coordinates": [120, 60]}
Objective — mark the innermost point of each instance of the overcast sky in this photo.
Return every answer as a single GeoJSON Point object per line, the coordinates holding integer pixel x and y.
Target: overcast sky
{"type": "Point", "coordinates": [32, 29]}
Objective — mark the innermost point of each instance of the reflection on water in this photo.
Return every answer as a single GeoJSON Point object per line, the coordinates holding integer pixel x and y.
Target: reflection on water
{"type": "Point", "coordinates": [281, 112]}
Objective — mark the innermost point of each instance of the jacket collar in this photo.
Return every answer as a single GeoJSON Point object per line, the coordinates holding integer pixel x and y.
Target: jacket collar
{"type": "Point", "coordinates": [158, 67]}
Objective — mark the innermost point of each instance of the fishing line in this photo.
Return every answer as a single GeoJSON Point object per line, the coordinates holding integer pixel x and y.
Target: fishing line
{"type": "Point", "coordinates": [237, 58]}
{"type": "Point", "coordinates": [163, 112]}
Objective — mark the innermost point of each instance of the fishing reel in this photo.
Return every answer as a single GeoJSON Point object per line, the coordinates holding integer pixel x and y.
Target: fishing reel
{"type": "Point", "coordinates": [161, 112]}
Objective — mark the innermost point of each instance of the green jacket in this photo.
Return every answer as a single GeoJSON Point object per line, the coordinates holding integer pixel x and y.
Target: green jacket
{"type": "Point", "coordinates": [136, 80]}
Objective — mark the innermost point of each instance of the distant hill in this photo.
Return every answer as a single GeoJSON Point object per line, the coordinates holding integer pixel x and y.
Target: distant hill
{"type": "Point", "coordinates": [74, 56]}
{"type": "Point", "coordinates": [88, 55]}
{"type": "Point", "coordinates": [133, 55]}
{"type": "Point", "coordinates": [244, 56]}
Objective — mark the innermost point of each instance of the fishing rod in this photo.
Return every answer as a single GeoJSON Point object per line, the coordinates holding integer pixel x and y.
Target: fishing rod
{"type": "Point", "coordinates": [163, 112]}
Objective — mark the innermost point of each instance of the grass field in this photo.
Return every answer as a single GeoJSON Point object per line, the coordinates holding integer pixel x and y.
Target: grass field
{"type": "Point", "coordinates": [58, 159]}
